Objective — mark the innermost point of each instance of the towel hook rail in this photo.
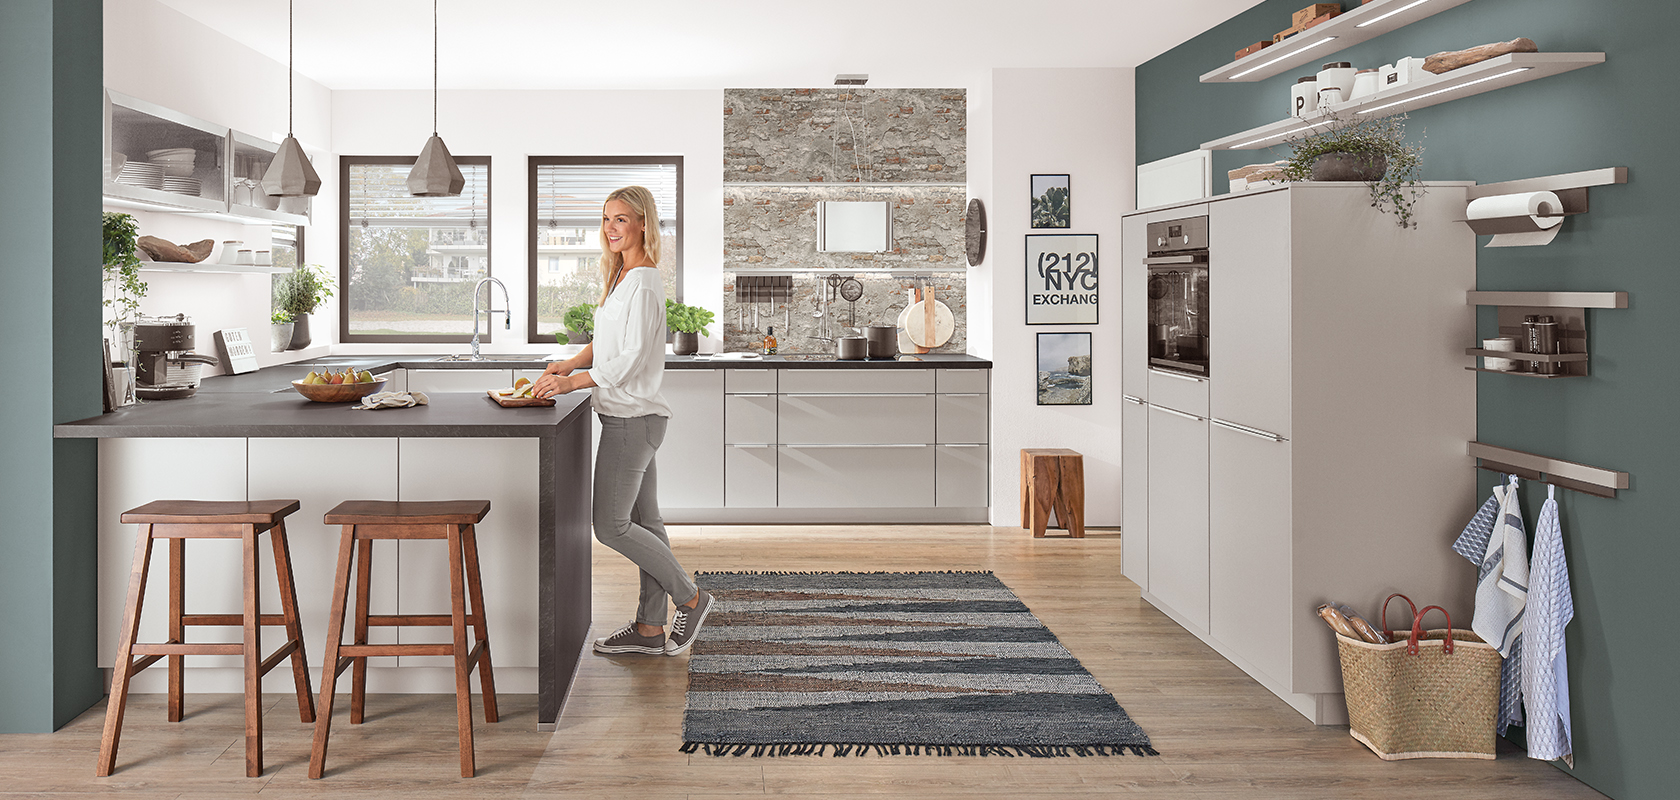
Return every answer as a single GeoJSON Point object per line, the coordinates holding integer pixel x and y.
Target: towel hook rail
{"type": "Point", "coordinates": [1582, 478]}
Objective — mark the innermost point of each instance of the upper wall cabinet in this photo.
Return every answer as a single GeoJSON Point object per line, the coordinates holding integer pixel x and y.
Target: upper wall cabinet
{"type": "Point", "coordinates": [162, 160]}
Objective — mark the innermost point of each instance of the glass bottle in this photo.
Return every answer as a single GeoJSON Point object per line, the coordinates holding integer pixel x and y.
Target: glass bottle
{"type": "Point", "coordinates": [770, 341]}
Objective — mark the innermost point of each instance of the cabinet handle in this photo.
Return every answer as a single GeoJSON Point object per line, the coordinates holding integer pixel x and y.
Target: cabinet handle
{"type": "Point", "coordinates": [1130, 399]}
{"type": "Point", "coordinates": [753, 446]}
{"type": "Point", "coordinates": [854, 446]}
{"type": "Point", "coordinates": [1177, 376]}
{"type": "Point", "coordinates": [964, 370]}
{"type": "Point", "coordinates": [752, 395]}
{"type": "Point", "coordinates": [947, 394]}
{"type": "Point", "coordinates": [947, 444]}
{"type": "Point", "coordinates": [1186, 258]}
{"type": "Point", "coordinates": [855, 394]}
{"type": "Point", "coordinates": [1268, 435]}
{"type": "Point", "coordinates": [1177, 413]}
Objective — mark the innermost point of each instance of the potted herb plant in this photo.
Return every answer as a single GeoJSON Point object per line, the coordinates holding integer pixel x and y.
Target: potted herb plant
{"type": "Point", "coordinates": [1369, 150]}
{"type": "Point", "coordinates": [686, 324]}
{"type": "Point", "coordinates": [300, 292]}
{"type": "Point", "coordinates": [280, 331]}
{"type": "Point", "coordinates": [580, 323]}
{"type": "Point", "coordinates": [123, 288]}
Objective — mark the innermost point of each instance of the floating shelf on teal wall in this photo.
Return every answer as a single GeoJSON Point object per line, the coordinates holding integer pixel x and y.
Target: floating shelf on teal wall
{"type": "Point", "coordinates": [1363, 23]}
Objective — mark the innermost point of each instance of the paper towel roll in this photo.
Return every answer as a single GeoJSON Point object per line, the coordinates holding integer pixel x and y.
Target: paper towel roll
{"type": "Point", "coordinates": [1543, 209]}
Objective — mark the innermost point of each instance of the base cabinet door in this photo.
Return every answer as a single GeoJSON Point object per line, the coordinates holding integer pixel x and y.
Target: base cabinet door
{"type": "Point", "coordinates": [1249, 546]}
{"type": "Point", "coordinates": [1178, 513]}
{"type": "Point", "coordinates": [1134, 493]}
{"type": "Point", "coordinates": [691, 458]}
{"type": "Point", "coordinates": [960, 472]}
{"type": "Point", "coordinates": [749, 476]}
{"type": "Point", "coordinates": [856, 476]}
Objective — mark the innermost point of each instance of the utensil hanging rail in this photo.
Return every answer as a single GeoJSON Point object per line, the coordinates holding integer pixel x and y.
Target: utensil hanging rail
{"type": "Point", "coordinates": [1567, 474]}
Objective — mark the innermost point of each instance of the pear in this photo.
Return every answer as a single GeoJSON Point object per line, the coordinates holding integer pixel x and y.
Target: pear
{"type": "Point", "coordinates": [364, 377]}
{"type": "Point", "coordinates": [311, 378]}
{"type": "Point", "coordinates": [337, 378]}
{"type": "Point", "coordinates": [520, 382]}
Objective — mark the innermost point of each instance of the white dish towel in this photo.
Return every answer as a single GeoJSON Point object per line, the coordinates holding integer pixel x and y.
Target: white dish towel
{"type": "Point", "coordinates": [379, 400]}
{"type": "Point", "coordinates": [1501, 590]}
{"type": "Point", "coordinates": [1545, 676]}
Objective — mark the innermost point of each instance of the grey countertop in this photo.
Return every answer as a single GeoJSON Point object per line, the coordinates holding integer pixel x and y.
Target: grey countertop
{"type": "Point", "coordinates": [262, 403]}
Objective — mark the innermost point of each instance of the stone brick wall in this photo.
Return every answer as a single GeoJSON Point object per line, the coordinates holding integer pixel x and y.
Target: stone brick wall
{"type": "Point", "coordinates": [845, 135]}
{"type": "Point", "coordinates": [775, 227]}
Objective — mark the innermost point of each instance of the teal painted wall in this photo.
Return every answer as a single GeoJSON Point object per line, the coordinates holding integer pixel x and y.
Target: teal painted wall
{"type": "Point", "coordinates": [50, 142]}
{"type": "Point", "coordinates": [1622, 654]}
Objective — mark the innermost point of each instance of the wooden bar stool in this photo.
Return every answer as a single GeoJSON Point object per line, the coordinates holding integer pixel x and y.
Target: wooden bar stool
{"type": "Point", "coordinates": [1053, 477]}
{"type": "Point", "coordinates": [365, 521]}
{"type": "Point", "coordinates": [178, 521]}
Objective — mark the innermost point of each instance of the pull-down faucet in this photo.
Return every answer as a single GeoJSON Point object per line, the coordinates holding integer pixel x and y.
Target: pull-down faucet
{"type": "Point", "coordinates": [506, 316]}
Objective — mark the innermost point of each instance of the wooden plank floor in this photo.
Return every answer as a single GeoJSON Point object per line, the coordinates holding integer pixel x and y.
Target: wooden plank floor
{"type": "Point", "coordinates": [1219, 733]}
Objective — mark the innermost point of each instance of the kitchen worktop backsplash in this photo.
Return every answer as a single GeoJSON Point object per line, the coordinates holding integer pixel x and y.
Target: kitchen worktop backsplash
{"type": "Point", "coordinates": [798, 328]}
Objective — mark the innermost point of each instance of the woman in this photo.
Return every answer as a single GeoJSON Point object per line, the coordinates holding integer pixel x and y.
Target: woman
{"type": "Point", "coordinates": [628, 363]}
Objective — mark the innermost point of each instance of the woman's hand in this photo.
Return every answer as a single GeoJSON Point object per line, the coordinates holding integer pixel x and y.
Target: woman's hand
{"type": "Point", "coordinates": [551, 385]}
{"type": "Point", "coordinates": [561, 368]}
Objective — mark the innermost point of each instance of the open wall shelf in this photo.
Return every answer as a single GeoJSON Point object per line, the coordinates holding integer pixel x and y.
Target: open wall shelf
{"type": "Point", "coordinates": [1485, 76]}
{"type": "Point", "coordinates": [1362, 23]}
{"type": "Point", "coordinates": [1568, 308]}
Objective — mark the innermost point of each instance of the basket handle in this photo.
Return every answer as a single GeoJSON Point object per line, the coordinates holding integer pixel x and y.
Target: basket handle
{"type": "Point", "coordinates": [1417, 631]}
{"type": "Point", "coordinates": [1412, 608]}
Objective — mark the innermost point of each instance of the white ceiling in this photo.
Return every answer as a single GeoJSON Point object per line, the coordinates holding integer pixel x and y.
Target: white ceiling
{"type": "Point", "coordinates": [693, 44]}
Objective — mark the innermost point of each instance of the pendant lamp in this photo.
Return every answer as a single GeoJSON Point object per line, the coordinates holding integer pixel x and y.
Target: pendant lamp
{"type": "Point", "coordinates": [434, 173]}
{"type": "Point", "coordinates": [290, 173]}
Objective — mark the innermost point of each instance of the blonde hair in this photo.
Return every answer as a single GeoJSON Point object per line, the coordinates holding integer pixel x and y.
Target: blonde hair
{"type": "Point", "coordinates": [646, 208]}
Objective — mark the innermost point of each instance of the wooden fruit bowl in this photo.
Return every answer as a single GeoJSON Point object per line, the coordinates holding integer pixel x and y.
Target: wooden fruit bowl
{"type": "Point", "coordinates": [338, 392]}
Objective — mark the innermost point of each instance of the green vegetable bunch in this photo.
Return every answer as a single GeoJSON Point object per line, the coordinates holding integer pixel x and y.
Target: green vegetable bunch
{"type": "Point", "coordinates": [303, 289]}
{"type": "Point", "coordinates": [1398, 190]}
{"type": "Point", "coordinates": [687, 319]}
{"type": "Point", "coordinates": [580, 318]}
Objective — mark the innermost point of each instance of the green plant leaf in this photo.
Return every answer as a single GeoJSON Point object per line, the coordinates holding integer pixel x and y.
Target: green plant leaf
{"type": "Point", "coordinates": [1400, 187]}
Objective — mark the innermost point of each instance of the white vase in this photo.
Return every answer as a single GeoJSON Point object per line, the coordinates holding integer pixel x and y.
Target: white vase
{"type": "Point", "coordinates": [280, 336]}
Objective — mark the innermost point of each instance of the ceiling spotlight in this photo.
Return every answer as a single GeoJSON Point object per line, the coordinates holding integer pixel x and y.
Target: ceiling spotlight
{"type": "Point", "coordinates": [858, 79]}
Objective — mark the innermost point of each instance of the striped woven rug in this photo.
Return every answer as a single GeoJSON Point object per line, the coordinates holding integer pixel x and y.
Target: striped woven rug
{"type": "Point", "coordinates": [894, 663]}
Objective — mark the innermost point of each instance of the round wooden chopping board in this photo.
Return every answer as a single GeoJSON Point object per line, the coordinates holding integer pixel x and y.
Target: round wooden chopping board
{"type": "Point", "coordinates": [915, 324]}
{"type": "Point", "coordinates": [904, 343]}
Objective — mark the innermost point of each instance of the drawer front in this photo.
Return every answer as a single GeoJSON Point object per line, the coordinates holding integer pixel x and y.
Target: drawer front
{"type": "Point", "coordinates": [961, 476]}
{"type": "Point", "coordinates": [964, 381]}
{"type": "Point", "coordinates": [749, 476]}
{"type": "Point", "coordinates": [749, 380]}
{"type": "Point", "coordinates": [855, 419]}
{"type": "Point", "coordinates": [863, 476]}
{"type": "Point", "coordinates": [749, 419]}
{"type": "Point", "coordinates": [961, 419]}
{"type": "Point", "coordinates": [459, 380]}
{"type": "Point", "coordinates": [860, 381]}
{"type": "Point", "coordinates": [1179, 392]}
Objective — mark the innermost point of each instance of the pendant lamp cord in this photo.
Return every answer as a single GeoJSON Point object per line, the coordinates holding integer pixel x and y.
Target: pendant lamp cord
{"type": "Point", "coordinates": [434, 65]}
{"type": "Point", "coordinates": [290, 38]}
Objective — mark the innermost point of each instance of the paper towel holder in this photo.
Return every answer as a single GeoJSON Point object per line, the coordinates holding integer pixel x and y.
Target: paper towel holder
{"type": "Point", "coordinates": [1570, 188]}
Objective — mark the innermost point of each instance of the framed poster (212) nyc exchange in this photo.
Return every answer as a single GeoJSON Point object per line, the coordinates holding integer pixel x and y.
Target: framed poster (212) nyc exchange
{"type": "Point", "coordinates": [1061, 279]}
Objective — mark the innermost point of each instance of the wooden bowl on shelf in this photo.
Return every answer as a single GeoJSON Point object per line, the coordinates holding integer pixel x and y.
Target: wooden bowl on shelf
{"type": "Point", "coordinates": [338, 392]}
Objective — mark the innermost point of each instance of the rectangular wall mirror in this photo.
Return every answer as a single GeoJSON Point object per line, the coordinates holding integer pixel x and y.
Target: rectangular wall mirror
{"type": "Point", "coordinates": [847, 226]}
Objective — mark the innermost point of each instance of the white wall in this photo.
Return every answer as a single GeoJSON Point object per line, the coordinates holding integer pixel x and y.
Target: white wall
{"type": "Point", "coordinates": [1077, 122]}
{"type": "Point", "coordinates": [508, 126]}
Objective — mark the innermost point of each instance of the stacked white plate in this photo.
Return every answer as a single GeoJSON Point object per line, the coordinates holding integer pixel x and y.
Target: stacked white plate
{"type": "Point", "coordinates": [188, 186]}
{"type": "Point", "coordinates": [175, 161]}
{"type": "Point", "coordinates": [135, 173]}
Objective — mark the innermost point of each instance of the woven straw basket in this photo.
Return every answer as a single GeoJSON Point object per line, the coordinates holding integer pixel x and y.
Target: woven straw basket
{"type": "Point", "coordinates": [1439, 702]}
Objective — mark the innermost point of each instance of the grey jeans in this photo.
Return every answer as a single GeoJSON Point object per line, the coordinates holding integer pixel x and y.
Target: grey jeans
{"type": "Point", "coordinates": [627, 511]}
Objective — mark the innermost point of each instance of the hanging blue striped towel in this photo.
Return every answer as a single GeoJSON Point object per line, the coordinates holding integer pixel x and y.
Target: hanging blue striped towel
{"type": "Point", "coordinates": [1546, 664]}
{"type": "Point", "coordinates": [1481, 546]}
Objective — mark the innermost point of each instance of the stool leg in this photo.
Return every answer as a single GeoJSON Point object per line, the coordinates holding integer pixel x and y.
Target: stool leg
{"type": "Point", "coordinates": [359, 664]}
{"type": "Point", "coordinates": [481, 631]}
{"type": "Point", "coordinates": [1026, 490]}
{"type": "Point", "coordinates": [1043, 495]}
{"type": "Point", "coordinates": [329, 660]}
{"type": "Point", "coordinates": [1072, 494]}
{"type": "Point", "coordinates": [125, 654]}
{"type": "Point", "coordinates": [458, 624]}
{"type": "Point", "coordinates": [177, 630]}
{"type": "Point", "coordinates": [294, 626]}
{"type": "Point", "coordinates": [253, 656]}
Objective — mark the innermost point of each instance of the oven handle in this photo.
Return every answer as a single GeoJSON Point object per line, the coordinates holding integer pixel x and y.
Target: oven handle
{"type": "Point", "coordinates": [1165, 374]}
{"type": "Point", "coordinates": [1184, 258]}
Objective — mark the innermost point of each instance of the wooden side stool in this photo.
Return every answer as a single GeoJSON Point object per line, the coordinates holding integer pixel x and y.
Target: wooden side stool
{"type": "Point", "coordinates": [1053, 477]}
{"type": "Point", "coordinates": [178, 521]}
{"type": "Point", "coordinates": [365, 521]}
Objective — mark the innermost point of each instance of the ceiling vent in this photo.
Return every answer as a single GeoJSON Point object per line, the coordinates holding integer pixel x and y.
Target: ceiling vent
{"type": "Point", "coordinates": [851, 80]}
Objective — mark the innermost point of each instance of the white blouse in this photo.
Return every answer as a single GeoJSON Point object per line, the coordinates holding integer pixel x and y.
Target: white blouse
{"type": "Point", "coordinates": [629, 353]}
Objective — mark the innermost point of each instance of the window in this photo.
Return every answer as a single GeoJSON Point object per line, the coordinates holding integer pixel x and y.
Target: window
{"type": "Point", "coordinates": [408, 265]}
{"type": "Point", "coordinates": [285, 243]}
{"type": "Point", "coordinates": [565, 245]}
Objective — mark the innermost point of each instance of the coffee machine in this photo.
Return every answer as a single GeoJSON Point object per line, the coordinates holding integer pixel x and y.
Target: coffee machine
{"type": "Point", "coordinates": [165, 367]}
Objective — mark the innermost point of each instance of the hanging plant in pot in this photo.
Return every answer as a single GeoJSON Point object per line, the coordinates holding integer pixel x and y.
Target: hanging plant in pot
{"type": "Point", "coordinates": [686, 324]}
{"type": "Point", "coordinates": [1369, 150]}
{"type": "Point", "coordinates": [300, 292]}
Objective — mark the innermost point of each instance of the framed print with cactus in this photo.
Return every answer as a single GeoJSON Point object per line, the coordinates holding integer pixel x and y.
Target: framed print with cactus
{"type": "Point", "coordinates": [1052, 204]}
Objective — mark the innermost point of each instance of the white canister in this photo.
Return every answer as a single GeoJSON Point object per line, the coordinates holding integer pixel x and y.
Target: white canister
{"type": "Point", "coordinates": [1329, 97]}
{"type": "Point", "coordinates": [245, 258]}
{"type": "Point", "coordinates": [263, 258]}
{"type": "Point", "coordinates": [1503, 344]}
{"type": "Point", "coordinates": [230, 251]}
{"type": "Point", "coordinates": [1337, 75]}
{"type": "Point", "coordinates": [1365, 83]}
{"type": "Point", "coordinates": [1304, 98]}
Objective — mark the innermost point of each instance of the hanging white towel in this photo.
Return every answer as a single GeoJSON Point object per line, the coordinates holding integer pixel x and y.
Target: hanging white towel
{"type": "Point", "coordinates": [1545, 677]}
{"type": "Point", "coordinates": [1501, 591]}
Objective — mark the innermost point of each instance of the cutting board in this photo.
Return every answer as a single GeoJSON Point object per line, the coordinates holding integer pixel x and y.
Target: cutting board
{"type": "Point", "coordinates": [921, 333]}
{"type": "Point", "coordinates": [505, 401]}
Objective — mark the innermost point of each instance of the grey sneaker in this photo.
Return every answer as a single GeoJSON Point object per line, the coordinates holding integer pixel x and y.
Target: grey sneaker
{"type": "Point", "coordinates": [627, 640]}
{"type": "Point", "coordinates": [686, 625]}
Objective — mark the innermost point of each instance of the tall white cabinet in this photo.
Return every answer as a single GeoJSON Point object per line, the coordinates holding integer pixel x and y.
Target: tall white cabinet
{"type": "Point", "coordinates": [1322, 459]}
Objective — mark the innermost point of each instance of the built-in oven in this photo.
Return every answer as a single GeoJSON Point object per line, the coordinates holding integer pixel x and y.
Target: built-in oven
{"type": "Point", "coordinates": [1178, 295]}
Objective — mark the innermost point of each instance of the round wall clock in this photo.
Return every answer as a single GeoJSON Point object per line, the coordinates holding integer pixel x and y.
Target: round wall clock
{"type": "Point", "coordinates": [975, 230]}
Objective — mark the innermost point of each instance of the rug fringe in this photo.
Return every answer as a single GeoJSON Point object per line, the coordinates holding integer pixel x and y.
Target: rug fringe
{"type": "Point", "coordinates": [845, 749]}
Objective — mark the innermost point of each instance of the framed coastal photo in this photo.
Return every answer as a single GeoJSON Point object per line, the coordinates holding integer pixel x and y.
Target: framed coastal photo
{"type": "Point", "coordinates": [1061, 278]}
{"type": "Point", "coordinates": [1052, 207]}
{"type": "Point", "coordinates": [1064, 369]}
